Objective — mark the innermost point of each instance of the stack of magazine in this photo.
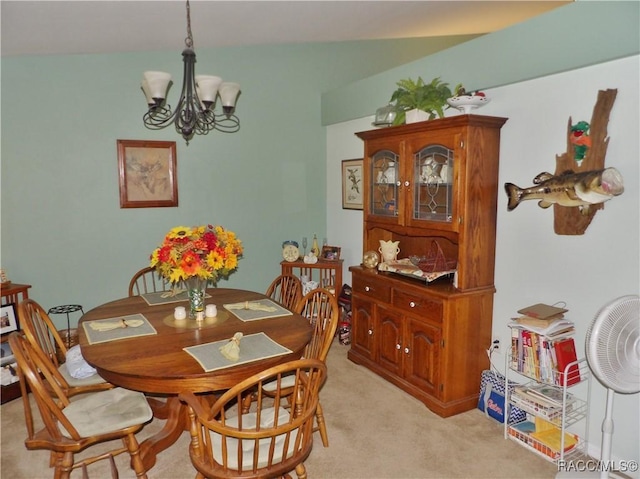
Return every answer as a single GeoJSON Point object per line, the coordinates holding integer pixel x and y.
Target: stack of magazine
{"type": "Point", "coordinates": [544, 400]}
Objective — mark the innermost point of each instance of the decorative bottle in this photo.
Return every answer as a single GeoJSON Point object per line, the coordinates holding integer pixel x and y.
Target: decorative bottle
{"type": "Point", "coordinates": [315, 249]}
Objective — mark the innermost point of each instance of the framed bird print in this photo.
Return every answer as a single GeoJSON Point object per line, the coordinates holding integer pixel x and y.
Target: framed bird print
{"type": "Point", "coordinates": [147, 173]}
{"type": "Point", "coordinates": [352, 184]}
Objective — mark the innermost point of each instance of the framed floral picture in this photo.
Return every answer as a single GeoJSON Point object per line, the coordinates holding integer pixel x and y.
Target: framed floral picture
{"type": "Point", "coordinates": [352, 184]}
{"type": "Point", "coordinates": [147, 173]}
{"type": "Point", "coordinates": [8, 322]}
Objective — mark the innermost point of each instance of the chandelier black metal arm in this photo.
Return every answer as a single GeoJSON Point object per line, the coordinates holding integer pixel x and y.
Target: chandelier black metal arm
{"type": "Point", "coordinates": [192, 115]}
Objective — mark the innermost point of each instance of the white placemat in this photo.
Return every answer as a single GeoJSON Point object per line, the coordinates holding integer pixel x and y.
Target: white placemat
{"type": "Point", "coordinates": [263, 309]}
{"type": "Point", "coordinates": [253, 347]}
{"type": "Point", "coordinates": [95, 337]}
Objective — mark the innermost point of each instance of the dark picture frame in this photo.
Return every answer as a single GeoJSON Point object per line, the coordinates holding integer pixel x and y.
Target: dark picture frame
{"type": "Point", "coordinates": [8, 321]}
{"type": "Point", "coordinates": [6, 354]}
{"type": "Point", "coordinates": [352, 193]}
{"type": "Point", "coordinates": [330, 253]}
{"type": "Point", "coordinates": [147, 174]}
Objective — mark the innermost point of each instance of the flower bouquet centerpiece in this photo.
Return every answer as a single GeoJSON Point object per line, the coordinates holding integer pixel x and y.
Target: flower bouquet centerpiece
{"type": "Point", "coordinates": [197, 256]}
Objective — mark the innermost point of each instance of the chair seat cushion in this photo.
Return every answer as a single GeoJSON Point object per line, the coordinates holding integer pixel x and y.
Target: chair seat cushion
{"type": "Point", "coordinates": [287, 381]}
{"type": "Point", "coordinates": [107, 411]}
{"type": "Point", "coordinates": [248, 423]}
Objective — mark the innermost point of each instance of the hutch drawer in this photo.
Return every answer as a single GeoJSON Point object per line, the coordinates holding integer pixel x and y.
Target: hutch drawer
{"type": "Point", "coordinates": [418, 305]}
{"type": "Point", "coordinates": [375, 289]}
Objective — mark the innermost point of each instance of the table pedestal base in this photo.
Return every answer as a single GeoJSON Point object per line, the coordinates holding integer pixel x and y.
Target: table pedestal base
{"type": "Point", "coordinates": [176, 424]}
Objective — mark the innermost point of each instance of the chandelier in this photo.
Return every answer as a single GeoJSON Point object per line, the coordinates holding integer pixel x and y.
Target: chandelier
{"type": "Point", "coordinates": [194, 113]}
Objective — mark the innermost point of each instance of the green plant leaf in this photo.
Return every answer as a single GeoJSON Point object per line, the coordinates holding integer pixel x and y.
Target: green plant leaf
{"type": "Point", "coordinates": [430, 97]}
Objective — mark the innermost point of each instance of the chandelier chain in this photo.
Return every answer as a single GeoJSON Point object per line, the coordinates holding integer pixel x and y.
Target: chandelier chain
{"type": "Point", "coordinates": [189, 40]}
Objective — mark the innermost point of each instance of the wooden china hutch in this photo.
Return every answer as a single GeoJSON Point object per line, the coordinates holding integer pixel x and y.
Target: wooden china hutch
{"type": "Point", "coordinates": [429, 185]}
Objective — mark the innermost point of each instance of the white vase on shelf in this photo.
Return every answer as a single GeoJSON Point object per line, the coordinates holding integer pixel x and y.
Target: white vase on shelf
{"type": "Point", "coordinates": [415, 115]}
{"type": "Point", "coordinates": [389, 250]}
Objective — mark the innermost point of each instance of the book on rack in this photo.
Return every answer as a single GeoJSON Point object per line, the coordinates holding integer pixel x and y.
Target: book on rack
{"type": "Point", "coordinates": [535, 406]}
{"type": "Point", "coordinates": [525, 427]}
{"type": "Point", "coordinates": [552, 438]}
{"type": "Point", "coordinates": [536, 355]}
{"type": "Point", "coordinates": [543, 396]}
{"type": "Point", "coordinates": [556, 328]}
{"type": "Point", "coordinates": [550, 394]}
{"type": "Point", "coordinates": [566, 357]}
{"type": "Point", "coordinates": [543, 425]}
{"type": "Point", "coordinates": [543, 311]}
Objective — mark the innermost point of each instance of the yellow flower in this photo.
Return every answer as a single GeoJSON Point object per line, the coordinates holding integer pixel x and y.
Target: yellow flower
{"type": "Point", "coordinates": [179, 232]}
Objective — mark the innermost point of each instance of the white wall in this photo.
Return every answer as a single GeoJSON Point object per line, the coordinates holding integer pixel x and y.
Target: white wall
{"type": "Point", "coordinates": [533, 264]}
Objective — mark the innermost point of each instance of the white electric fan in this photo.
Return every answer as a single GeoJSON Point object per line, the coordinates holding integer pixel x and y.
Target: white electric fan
{"type": "Point", "coordinates": [613, 353]}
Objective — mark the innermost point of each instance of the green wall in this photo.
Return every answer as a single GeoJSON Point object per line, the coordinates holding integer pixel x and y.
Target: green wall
{"type": "Point", "coordinates": [63, 230]}
{"type": "Point", "coordinates": [572, 36]}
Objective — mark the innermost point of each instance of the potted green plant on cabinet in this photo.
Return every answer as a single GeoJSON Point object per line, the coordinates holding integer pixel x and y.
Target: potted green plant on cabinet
{"type": "Point", "coordinates": [430, 99]}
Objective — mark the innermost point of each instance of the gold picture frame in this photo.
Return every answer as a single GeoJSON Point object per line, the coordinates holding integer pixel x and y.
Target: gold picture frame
{"type": "Point", "coordinates": [330, 253]}
{"type": "Point", "coordinates": [352, 194]}
{"type": "Point", "coordinates": [147, 174]}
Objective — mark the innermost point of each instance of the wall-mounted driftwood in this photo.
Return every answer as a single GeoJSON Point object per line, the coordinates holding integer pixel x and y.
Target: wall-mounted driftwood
{"type": "Point", "coordinates": [571, 221]}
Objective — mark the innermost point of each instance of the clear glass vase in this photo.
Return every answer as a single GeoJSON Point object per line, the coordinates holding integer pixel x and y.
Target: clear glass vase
{"type": "Point", "coordinates": [196, 290]}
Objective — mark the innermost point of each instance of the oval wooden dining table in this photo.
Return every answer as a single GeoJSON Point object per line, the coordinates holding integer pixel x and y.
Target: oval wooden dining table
{"type": "Point", "coordinates": [157, 364]}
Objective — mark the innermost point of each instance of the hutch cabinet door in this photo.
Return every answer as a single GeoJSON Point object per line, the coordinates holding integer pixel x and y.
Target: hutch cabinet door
{"type": "Point", "coordinates": [390, 340]}
{"type": "Point", "coordinates": [422, 360]}
{"type": "Point", "coordinates": [433, 193]}
{"type": "Point", "coordinates": [382, 177]}
{"type": "Point", "coordinates": [362, 328]}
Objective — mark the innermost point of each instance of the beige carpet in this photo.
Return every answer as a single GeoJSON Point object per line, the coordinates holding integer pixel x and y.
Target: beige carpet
{"type": "Point", "coordinates": [375, 431]}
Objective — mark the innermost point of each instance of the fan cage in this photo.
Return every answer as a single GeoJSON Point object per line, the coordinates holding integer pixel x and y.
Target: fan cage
{"type": "Point", "coordinates": [613, 345]}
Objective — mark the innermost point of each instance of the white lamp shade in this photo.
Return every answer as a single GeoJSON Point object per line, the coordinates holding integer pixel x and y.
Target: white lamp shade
{"type": "Point", "coordinates": [229, 93]}
{"type": "Point", "coordinates": [157, 83]}
{"type": "Point", "coordinates": [147, 93]}
{"type": "Point", "coordinates": [207, 87]}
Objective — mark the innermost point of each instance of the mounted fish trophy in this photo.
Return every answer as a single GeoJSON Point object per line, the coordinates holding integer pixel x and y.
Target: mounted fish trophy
{"type": "Point", "coordinates": [581, 183]}
{"type": "Point", "coordinates": [569, 189]}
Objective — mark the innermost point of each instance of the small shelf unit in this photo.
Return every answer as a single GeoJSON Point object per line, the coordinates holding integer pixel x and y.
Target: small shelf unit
{"type": "Point", "coordinates": [12, 293]}
{"type": "Point", "coordinates": [328, 274]}
{"type": "Point", "coordinates": [572, 412]}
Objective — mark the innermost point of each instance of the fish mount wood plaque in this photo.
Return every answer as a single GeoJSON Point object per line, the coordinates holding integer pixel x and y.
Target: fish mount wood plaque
{"type": "Point", "coordinates": [571, 221]}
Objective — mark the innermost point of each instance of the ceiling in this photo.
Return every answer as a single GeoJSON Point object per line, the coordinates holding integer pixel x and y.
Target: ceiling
{"type": "Point", "coordinates": [73, 27]}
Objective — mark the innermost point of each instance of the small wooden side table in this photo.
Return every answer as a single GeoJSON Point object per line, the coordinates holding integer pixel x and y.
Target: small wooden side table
{"type": "Point", "coordinates": [328, 274]}
{"type": "Point", "coordinates": [13, 293]}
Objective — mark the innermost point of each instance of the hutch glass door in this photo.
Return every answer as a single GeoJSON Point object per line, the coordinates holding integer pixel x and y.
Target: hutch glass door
{"type": "Point", "coordinates": [384, 184]}
{"type": "Point", "coordinates": [433, 180]}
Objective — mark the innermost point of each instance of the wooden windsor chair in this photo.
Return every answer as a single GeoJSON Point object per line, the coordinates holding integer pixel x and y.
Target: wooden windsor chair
{"type": "Point", "coordinates": [268, 441]}
{"type": "Point", "coordinates": [71, 427]}
{"type": "Point", "coordinates": [286, 289]}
